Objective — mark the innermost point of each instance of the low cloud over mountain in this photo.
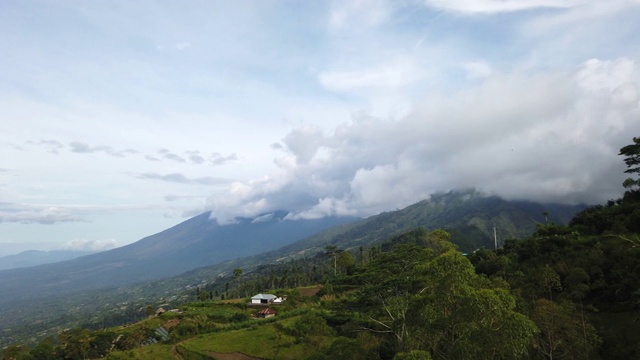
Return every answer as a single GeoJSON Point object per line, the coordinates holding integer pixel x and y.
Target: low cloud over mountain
{"type": "Point", "coordinates": [546, 136]}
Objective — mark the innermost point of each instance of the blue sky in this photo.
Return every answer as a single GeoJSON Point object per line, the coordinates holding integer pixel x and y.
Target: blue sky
{"type": "Point", "coordinates": [122, 118]}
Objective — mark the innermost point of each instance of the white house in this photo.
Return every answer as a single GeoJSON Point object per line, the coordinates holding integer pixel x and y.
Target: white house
{"type": "Point", "coordinates": [263, 299]}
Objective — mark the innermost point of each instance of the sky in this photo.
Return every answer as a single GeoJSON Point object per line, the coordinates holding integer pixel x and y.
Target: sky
{"type": "Point", "coordinates": [122, 118]}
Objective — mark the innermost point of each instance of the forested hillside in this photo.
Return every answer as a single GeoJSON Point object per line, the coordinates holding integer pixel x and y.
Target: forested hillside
{"type": "Point", "coordinates": [553, 295]}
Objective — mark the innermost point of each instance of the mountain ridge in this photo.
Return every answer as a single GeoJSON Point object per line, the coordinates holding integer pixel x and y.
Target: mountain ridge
{"type": "Point", "coordinates": [193, 243]}
{"type": "Point", "coordinates": [69, 290]}
{"type": "Point", "coordinates": [437, 212]}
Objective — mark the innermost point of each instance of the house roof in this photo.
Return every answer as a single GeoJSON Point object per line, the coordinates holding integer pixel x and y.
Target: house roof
{"type": "Point", "coordinates": [267, 311]}
{"type": "Point", "coordinates": [264, 296]}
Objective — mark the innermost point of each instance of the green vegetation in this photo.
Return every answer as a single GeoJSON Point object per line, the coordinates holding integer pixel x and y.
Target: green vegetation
{"type": "Point", "coordinates": [565, 292]}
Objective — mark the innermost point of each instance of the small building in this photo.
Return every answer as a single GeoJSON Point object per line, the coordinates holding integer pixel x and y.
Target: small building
{"type": "Point", "coordinates": [160, 311]}
{"type": "Point", "coordinates": [263, 299]}
{"type": "Point", "coordinates": [266, 313]}
{"type": "Point", "coordinates": [162, 333]}
{"type": "Point", "coordinates": [279, 299]}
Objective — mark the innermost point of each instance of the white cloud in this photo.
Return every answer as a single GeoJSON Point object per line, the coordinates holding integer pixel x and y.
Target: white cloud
{"type": "Point", "coordinates": [359, 13]}
{"type": "Point", "coordinates": [544, 136]}
{"type": "Point", "coordinates": [90, 245]}
{"type": "Point", "coordinates": [497, 6]}
{"type": "Point", "coordinates": [304, 142]}
{"type": "Point", "coordinates": [478, 69]}
{"type": "Point", "coordinates": [216, 159]}
{"type": "Point", "coordinates": [394, 74]}
{"type": "Point", "coordinates": [36, 214]}
{"type": "Point", "coordinates": [598, 75]}
{"type": "Point", "coordinates": [594, 12]}
{"type": "Point", "coordinates": [182, 179]}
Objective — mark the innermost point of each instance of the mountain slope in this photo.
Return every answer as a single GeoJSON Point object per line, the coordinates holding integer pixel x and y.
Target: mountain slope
{"type": "Point", "coordinates": [194, 243]}
{"type": "Point", "coordinates": [37, 257]}
{"type": "Point", "coordinates": [468, 215]}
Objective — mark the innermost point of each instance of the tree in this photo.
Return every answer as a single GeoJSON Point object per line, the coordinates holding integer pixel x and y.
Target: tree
{"type": "Point", "coordinates": [428, 297]}
{"type": "Point", "coordinates": [563, 334]}
{"type": "Point", "coordinates": [45, 350]}
{"type": "Point", "coordinates": [390, 280]}
{"type": "Point", "coordinates": [311, 328]}
{"type": "Point", "coordinates": [549, 280]}
{"type": "Point", "coordinates": [237, 273]}
{"type": "Point", "coordinates": [333, 251]}
{"type": "Point", "coordinates": [632, 159]}
{"type": "Point", "coordinates": [345, 261]}
{"type": "Point", "coordinates": [462, 315]}
{"type": "Point", "coordinates": [14, 352]}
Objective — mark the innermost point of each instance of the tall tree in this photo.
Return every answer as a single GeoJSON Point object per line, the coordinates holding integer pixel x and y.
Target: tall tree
{"type": "Point", "coordinates": [632, 159]}
{"type": "Point", "coordinates": [461, 315]}
{"type": "Point", "coordinates": [333, 251]}
{"type": "Point", "coordinates": [563, 334]}
{"type": "Point", "coordinates": [428, 297]}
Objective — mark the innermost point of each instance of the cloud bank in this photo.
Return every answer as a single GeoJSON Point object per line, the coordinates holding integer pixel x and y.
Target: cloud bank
{"type": "Point", "coordinates": [36, 214]}
{"type": "Point", "coordinates": [546, 136]}
{"type": "Point", "coordinates": [90, 245]}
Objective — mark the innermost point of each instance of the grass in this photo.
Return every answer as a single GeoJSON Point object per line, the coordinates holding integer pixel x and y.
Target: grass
{"type": "Point", "coordinates": [151, 352]}
{"type": "Point", "coordinates": [260, 341]}
{"type": "Point", "coordinates": [213, 310]}
{"type": "Point", "coordinates": [263, 338]}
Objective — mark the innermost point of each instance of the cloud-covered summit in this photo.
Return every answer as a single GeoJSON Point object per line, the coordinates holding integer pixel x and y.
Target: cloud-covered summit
{"type": "Point", "coordinates": [540, 136]}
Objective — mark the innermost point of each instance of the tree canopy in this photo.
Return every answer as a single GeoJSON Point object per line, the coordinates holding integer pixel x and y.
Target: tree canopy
{"type": "Point", "coordinates": [631, 153]}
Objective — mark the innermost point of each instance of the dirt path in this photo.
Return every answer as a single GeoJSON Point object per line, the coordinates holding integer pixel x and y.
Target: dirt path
{"type": "Point", "coordinates": [233, 356]}
{"type": "Point", "coordinates": [175, 353]}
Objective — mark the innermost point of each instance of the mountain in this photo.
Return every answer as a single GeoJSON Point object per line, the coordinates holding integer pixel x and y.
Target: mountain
{"type": "Point", "coordinates": [469, 216]}
{"type": "Point", "coordinates": [90, 288]}
{"type": "Point", "coordinates": [37, 257]}
{"type": "Point", "coordinates": [194, 243]}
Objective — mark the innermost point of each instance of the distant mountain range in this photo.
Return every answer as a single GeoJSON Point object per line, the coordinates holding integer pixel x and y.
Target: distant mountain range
{"type": "Point", "coordinates": [194, 243]}
{"type": "Point", "coordinates": [203, 250]}
{"type": "Point", "coordinates": [38, 257]}
{"type": "Point", "coordinates": [469, 216]}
